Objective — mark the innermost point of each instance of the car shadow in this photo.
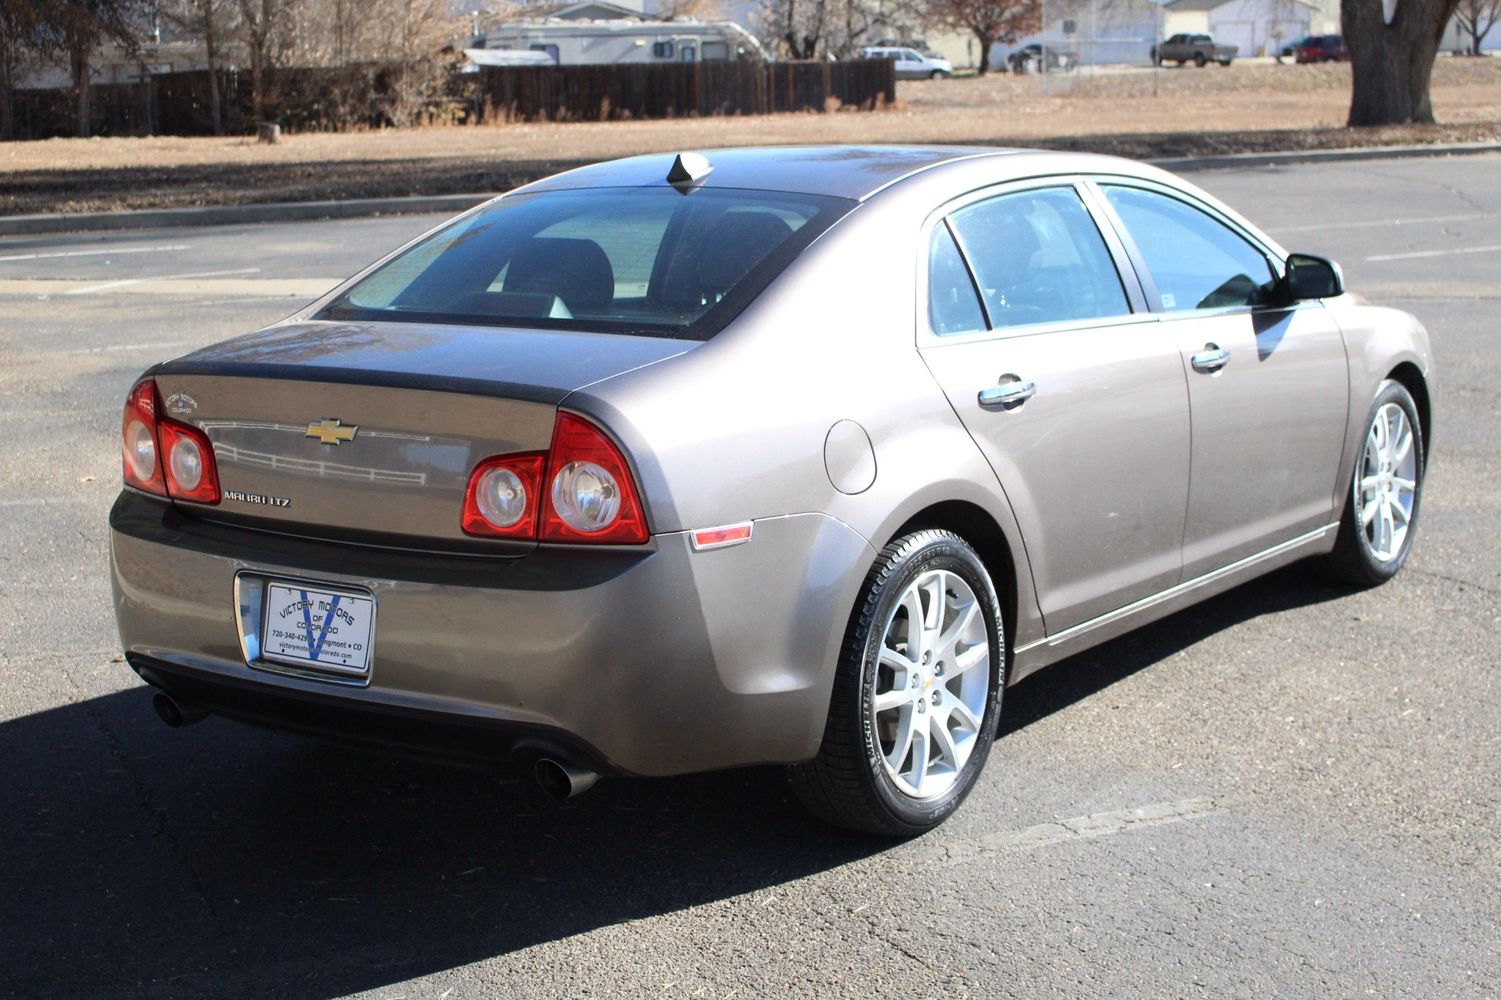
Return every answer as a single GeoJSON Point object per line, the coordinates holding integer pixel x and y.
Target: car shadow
{"type": "Point", "coordinates": [220, 859]}
{"type": "Point", "coordinates": [1072, 680]}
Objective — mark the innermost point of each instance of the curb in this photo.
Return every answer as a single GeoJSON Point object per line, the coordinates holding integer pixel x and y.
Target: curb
{"type": "Point", "coordinates": [354, 208]}
{"type": "Point", "coordinates": [1185, 164]}
{"type": "Point", "coordinates": [230, 215]}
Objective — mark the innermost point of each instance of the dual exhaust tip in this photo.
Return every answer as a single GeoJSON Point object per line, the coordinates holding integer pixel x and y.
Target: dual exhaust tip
{"type": "Point", "coordinates": [556, 778]}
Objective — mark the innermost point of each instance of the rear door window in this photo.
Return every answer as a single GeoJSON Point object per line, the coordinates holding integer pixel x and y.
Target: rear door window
{"type": "Point", "coordinates": [1039, 258]}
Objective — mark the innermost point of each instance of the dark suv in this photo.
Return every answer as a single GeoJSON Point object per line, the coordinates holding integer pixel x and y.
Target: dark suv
{"type": "Point", "coordinates": [1321, 48]}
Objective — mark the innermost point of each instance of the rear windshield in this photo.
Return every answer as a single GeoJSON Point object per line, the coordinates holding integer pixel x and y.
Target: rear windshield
{"type": "Point", "coordinates": [643, 261]}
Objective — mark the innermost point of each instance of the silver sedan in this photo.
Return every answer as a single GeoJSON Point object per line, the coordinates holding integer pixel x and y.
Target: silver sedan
{"type": "Point", "coordinates": [762, 456]}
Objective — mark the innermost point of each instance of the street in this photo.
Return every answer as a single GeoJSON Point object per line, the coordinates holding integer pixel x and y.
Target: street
{"type": "Point", "coordinates": [1292, 789]}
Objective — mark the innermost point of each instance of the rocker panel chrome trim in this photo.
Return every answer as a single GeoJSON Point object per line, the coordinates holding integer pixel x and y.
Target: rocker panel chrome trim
{"type": "Point", "coordinates": [1172, 592]}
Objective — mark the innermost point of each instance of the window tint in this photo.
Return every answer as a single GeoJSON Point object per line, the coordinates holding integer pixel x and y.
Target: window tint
{"type": "Point", "coordinates": [1196, 261]}
{"type": "Point", "coordinates": [628, 260]}
{"type": "Point", "coordinates": [1039, 259]}
{"type": "Point", "coordinates": [953, 306]}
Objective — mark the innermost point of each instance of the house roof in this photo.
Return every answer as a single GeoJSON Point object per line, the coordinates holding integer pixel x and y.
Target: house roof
{"type": "Point", "coordinates": [1177, 6]}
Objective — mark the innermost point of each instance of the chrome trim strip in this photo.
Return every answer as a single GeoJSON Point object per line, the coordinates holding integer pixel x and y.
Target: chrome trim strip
{"type": "Point", "coordinates": [1172, 592]}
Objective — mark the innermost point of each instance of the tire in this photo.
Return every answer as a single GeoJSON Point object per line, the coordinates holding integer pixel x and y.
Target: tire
{"type": "Point", "coordinates": [1369, 554]}
{"type": "Point", "coordinates": [1225, 63]}
{"type": "Point", "coordinates": [1200, 59]}
{"type": "Point", "coordinates": [852, 782]}
{"type": "Point", "coordinates": [936, 74]}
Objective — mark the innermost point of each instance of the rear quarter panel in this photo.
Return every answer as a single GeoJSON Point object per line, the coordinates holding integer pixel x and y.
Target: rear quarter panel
{"type": "Point", "coordinates": [736, 429]}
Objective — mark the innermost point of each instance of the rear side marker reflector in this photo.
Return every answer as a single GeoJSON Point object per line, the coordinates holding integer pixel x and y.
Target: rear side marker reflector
{"type": "Point", "coordinates": [721, 537]}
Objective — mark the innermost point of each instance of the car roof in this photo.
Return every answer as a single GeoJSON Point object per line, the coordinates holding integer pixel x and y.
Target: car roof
{"type": "Point", "coordinates": [854, 172]}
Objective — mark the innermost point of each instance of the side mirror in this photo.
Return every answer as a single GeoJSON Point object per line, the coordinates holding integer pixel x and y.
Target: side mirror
{"type": "Point", "coordinates": [1310, 277]}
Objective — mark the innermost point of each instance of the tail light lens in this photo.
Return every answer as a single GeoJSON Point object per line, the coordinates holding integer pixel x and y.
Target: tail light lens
{"type": "Point", "coordinates": [580, 491]}
{"type": "Point", "coordinates": [142, 458]}
{"type": "Point", "coordinates": [164, 456]}
{"type": "Point", "coordinates": [591, 493]}
{"type": "Point", "coordinates": [504, 496]}
{"type": "Point", "coordinates": [191, 472]}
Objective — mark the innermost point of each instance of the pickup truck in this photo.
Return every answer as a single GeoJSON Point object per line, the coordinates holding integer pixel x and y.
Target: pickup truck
{"type": "Point", "coordinates": [1200, 49]}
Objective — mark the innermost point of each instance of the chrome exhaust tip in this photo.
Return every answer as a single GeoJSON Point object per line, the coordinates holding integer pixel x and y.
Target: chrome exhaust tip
{"type": "Point", "coordinates": [174, 713]}
{"type": "Point", "coordinates": [561, 781]}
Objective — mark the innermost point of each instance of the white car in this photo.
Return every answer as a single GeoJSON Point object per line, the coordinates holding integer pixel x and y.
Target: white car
{"type": "Point", "coordinates": [912, 64]}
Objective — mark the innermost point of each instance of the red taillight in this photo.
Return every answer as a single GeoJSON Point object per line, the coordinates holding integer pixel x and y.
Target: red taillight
{"type": "Point", "coordinates": [591, 495]}
{"type": "Point", "coordinates": [504, 495]}
{"type": "Point", "coordinates": [580, 491]}
{"type": "Point", "coordinates": [164, 456]}
{"type": "Point", "coordinates": [142, 457]}
{"type": "Point", "coordinates": [189, 461]}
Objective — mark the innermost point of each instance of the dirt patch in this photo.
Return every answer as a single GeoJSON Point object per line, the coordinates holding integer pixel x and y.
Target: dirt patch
{"type": "Point", "coordinates": [1139, 113]}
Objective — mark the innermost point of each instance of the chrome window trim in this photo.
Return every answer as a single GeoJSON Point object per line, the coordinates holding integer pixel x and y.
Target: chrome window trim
{"type": "Point", "coordinates": [1136, 298]}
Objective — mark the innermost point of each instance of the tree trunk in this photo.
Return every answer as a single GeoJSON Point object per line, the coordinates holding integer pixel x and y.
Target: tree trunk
{"type": "Point", "coordinates": [257, 83]}
{"type": "Point", "coordinates": [986, 40]}
{"type": "Point", "coordinates": [7, 95]}
{"type": "Point", "coordinates": [211, 51]}
{"type": "Point", "coordinates": [1391, 64]}
{"type": "Point", "coordinates": [80, 60]}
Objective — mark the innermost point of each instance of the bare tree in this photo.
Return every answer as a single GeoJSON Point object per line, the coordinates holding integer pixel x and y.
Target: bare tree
{"type": "Point", "coordinates": [1476, 18]}
{"type": "Point", "coordinates": [990, 21]}
{"type": "Point", "coordinates": [81, 28]}
{"type": "Point", "coordinates": [1392, 47]}
{"type": "Point", "coordinates": [213, 21]}
{"type": "Point", "coordinates": [810, 29]}
{"type": "Point", "coordinates": [266, 27]}
{"type": "Point", "coordinates": [21, 41]}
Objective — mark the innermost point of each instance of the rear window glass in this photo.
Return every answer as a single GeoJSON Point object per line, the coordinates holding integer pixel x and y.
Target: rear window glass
{"type": "Point", "coordinates": [645, 261]}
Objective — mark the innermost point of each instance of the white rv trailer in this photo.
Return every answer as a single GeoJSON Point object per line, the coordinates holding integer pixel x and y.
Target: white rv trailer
{"type": "Point", "coordinates": [582, 43]}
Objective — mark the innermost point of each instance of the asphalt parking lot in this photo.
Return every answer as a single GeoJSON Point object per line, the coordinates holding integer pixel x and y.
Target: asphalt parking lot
{"type": "Point", "coordinates": [1289, 790]}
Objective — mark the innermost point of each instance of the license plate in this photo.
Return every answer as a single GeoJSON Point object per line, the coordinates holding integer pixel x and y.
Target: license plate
{"type": "Point", "coordinates": [317, 628]}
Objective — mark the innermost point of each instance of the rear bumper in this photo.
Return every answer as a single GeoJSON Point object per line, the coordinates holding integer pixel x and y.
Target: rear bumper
{"type": "Point", "coordinates": [650, 661]}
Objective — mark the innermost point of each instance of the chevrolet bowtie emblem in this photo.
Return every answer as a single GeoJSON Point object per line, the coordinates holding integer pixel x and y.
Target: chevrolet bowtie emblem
{"type": "Point", "coordinates": [330, 431]}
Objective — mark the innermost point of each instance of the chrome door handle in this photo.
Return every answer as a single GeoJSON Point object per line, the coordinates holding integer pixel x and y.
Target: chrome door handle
{"type": "Point", "coordinates": [1008, 395]}
{"type": "Point", "coordinates": [1211, 359]}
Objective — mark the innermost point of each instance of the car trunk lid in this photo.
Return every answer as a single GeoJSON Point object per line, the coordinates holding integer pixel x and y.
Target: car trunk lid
{"type": "Point", "coordinates": [367, 432]}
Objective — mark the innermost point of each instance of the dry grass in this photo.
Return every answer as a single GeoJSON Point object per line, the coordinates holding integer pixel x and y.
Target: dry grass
{"type": "Point", "coordinates": [1135, 112]}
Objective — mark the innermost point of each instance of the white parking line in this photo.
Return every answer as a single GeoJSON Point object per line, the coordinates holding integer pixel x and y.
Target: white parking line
{"type": "Point", "coordinates": [111, 348]}
{"type": "Point", "coordinates": [1414, 255]}
{"type": "Point", "coordinates": [47, 501]}
{"type": "Point", "coordinates": [1378, 223]}
{"type": "Point", "coordinates": [1102, 824]}
{"type": "Point", "coordinates": [93, 253]}
{"type": "Point", "coordinates": [91, 289]}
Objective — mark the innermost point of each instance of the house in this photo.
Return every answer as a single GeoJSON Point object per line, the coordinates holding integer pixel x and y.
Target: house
{"type": "Point", "coordinates": [1092, 32]}
{"type": "Point", "coordinates": [622, 40]}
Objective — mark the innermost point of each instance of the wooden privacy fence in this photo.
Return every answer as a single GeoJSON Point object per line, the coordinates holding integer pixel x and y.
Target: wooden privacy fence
{"type": "Point", "coordinates": [319, 99]}
{"type": "Point", "coordinates": [674, 90]}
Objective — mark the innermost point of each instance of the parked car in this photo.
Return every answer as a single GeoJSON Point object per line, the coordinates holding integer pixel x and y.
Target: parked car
{"type": "Point", "coordinates": [1198, 49]}
{"type": "Point", "coordinates": [1321, 48]}
{"type": "Point", "coordinates": [630, 471]}
{"type": "Point", "coordinates": [912, 64]}
{"type": "Point", "coordinates": [1034, 58]}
